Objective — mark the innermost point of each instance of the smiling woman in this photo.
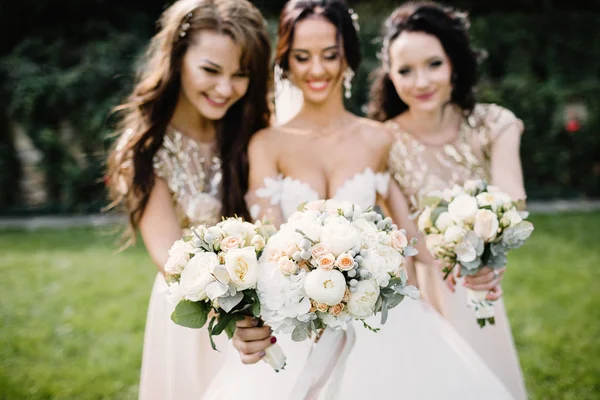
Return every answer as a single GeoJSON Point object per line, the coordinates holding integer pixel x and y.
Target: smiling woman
{"type": "Point", "coordinates": [181, 143]}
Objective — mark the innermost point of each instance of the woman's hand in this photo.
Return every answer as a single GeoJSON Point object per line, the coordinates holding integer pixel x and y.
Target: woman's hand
{"type": "Point", "coordinates": [251, 341]}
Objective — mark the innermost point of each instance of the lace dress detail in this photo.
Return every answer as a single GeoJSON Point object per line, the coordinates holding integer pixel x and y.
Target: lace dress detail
{"type": "Point", "coordinates": [280, 196]}
{"type": "Point", "coordinates": [192, 171]}
{"type": "Point", "coordinates": [420, 169]}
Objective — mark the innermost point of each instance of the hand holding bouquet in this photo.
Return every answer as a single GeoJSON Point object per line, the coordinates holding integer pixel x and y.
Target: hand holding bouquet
{"type": "Point", "coordinates": [472, 227]}
{"type": "Point", "coordinates": [213, 274]}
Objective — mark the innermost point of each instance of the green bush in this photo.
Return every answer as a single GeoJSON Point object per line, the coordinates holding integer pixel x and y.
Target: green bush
{"type": "Point", "coordinates": [53, 84]}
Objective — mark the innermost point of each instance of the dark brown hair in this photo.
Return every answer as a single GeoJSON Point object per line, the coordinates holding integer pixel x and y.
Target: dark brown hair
{"type": "Point", "coordinates": [334, 11]}
{"type": "Point", "coordinates": [150, 107]}
{"type": "Point", "coordinates": [451, 29]}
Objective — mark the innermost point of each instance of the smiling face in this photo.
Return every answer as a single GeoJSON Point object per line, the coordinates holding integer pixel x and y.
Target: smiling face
{"type": "Point", "coordinates": [211, 78]}
{"type": "Point", "coordinates": [316, 61]}
{"type": "Point", "coordinates": [420, 71]}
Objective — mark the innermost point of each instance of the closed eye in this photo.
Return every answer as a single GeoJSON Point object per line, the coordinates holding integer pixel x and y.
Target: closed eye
{"type": "Point", "coordinates": [211, 71]}
{"type": "Point", "coordinates": [404, 71]}
{"type": "Point", "coordinates": [436, 64]}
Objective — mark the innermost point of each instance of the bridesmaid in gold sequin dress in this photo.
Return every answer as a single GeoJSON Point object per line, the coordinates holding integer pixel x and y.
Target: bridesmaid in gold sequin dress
{"type": "Point", "coordinates": [182, 161]}
{"type": "Point", "coordinates": [424, 91]}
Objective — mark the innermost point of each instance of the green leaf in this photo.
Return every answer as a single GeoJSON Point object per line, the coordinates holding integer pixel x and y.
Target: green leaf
{"type": "Point", "coordinates": [300, 333]}
{"type": "Point", "coordinates": [224, 320]}
{"type": "Point", "coordinates": [190, 314]}
{"type": "Point", "coordinates": [230, 328]}
{"type": "Point", "coordinates": [210, 336]}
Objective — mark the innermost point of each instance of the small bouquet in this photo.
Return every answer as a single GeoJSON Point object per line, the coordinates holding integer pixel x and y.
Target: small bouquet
{"type": "Point", "coordinates": [472, 227]}
{"type": "Point", "coordinates": [213, 274]}
{"type": "Point", "coordinates": [329, 264]}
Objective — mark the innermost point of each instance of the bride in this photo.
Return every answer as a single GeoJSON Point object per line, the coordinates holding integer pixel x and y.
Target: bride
{"type": "Point", "coordinates": [326, 152]}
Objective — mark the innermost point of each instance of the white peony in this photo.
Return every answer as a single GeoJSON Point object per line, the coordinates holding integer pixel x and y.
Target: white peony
{"type": "Point", "coordinates": [197, 274]}
{"type": "Point", "coordinates": [239, 228]}
{"type": "Point", "coordinates": [179, 255]}
{"type": "Point", "coordinates": [444, 221]}
{"type": "Point", "coordinates": [325, 286]}
{"type": "Point", "coordinates": [454, 234]}
{"type": "Point", "coordinates": [383, 262]}
{"type": "Point", "coordinates": [486, 225]}
{"type": "Point", "coordinates": [463, 208]}
{"type": "Point", "coordinates": [342, 237]}
{"type": "Point", "coordinates": [362, 301]}
{"type": "Point", "coordinates": [242, 266]}
{"type": "Point", "coordinates": [367, 229]}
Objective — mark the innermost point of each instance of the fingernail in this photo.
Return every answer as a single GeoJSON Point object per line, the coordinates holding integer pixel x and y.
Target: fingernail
{"type": "Point", "coordinates": [262, 354]}
{"type": "Point", "coordinates": [273, 340]}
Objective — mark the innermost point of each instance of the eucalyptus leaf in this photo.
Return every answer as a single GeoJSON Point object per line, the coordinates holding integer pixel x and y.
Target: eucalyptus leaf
{"type": "Point", "coordinates": [384, 311]}
{"type": "Point", "coordinates": [228, 303]}
{"type": "Point", "coordinates": [430, 201]}
{"type": "Point", "coordinates": [300, 333]}
{"type": "Point", "coordinates": [410, 251]}
{"type": "Point", "coordinates": [210, 336]}
{"type": "Point", "coordinates": [190, 314]}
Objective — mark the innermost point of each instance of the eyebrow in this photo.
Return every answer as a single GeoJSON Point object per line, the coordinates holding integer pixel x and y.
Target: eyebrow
{"type": "Point", "coordinates": [211, 63]}
{"type": "Point", "coordinates": [325, 49]}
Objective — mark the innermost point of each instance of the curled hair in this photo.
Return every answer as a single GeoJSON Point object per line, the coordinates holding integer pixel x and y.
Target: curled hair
{"type": "Point", "coordinates": [451, 29]}
{"type": "Point", "coordinates": [150, 107]}
{"type": "Point", "coordinates": [334, 11]}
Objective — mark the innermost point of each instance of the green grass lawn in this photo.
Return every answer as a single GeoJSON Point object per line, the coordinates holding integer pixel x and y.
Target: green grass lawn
{"type": "Point", "coordinates": [73, 312]}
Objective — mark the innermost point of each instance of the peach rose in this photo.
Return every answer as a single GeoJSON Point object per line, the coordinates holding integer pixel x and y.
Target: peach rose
{"type": "Point", "coordinates": [327, 261]}
{"type": "Point", "coordinates": [337, 309]}
{"type": "Point", "coordinates": [399, 240]}
{"type": "Point", "coordinates": [287, 266]}
{"type": "Point", "coordinates": [320, 249]}
{"type": "Point", "coordinates": [322, 307]}
{"type": "Point", "coordinates": [345, 262]}
{"type": "Point", "coordinates": [230, 243]}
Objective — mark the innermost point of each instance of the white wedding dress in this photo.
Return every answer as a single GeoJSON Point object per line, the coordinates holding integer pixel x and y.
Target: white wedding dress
{"type": "Point", "coordinates": [416, 355]}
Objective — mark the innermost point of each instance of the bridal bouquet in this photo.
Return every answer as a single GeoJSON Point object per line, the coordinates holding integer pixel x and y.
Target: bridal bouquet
{"type": "Point", "coordinates": [473, 226]}
{"type": "Point", "coordinates": [213, 274]}
{"type": "Point", "coordinates": [331, 263]}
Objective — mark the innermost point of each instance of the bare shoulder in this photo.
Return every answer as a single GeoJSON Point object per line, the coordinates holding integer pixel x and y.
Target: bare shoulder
{"type": "Point", "coordinates": [375, 133]}
{"type": "Point", "coordinates": [263, 140]}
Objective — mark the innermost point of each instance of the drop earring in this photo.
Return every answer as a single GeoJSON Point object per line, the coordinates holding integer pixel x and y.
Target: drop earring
{"type": "Point", "coordinates": [348, 75]}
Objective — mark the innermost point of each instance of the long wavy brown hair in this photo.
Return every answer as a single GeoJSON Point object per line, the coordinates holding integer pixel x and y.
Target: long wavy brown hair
{"type": "Point", "coordinates": [451, 28]}
{"type": "Point", "coordinates": [148, 111]}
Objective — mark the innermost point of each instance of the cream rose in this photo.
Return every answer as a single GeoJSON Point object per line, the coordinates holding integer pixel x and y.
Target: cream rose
{"type": "Point", "coordinates": [179, 255]}
{"type": "Point", "coordinates": [320, 249]}
{"type": "Point", "coordinates": [272, 254]}
{"type": "Point", "coordinates": [463, 208]}
{"type": "Point", "coordinates": [399, 240]}
{"type": "Point", "coordinates": [325, 286]}
{"type": "Point", "coordinates": [486, 225]}
{"type": "Point", "coordinates": [258, 242]}
{"type": "Point", "coordinates": [287, 266]}
{"type": "Point", "coordinates": [242, 267]}
{"type": "Point", "coordinates": [345, 262]}
{"type": "Point", "coordinates": [231, 242]}
{"type": "Point", "coordinates": [433, 241]}
{"type": "Point", "coordinates": [322, 307]}
{"type": "Point", "coordinates": [444, 221]}
{"type": "Point", "coordinates": [239, 228]}
{"type": "Point", "coordinates": [337, 309]}
{"type": "Point", "coordinates": [197, 274]}
{"type": "Point", "coordinates": [362, 301]}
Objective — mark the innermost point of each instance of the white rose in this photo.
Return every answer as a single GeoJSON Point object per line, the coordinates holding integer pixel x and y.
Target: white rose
{"type": "Point", "coordinates": [197, 274]}
{"type": "Point", "coordinates": [258, 242]}
{"type": "Point", "coordinates": [463, 208]}
{"type": "Point", "coordinates": [213, 234]}
{"type": "Point", "coordinates": [242, 266]}
{"type": "Point", "coordinates": [341, 237]}
{"type": "Point", "coordinates": [362, 301]}
{"type": "Point", "coordinates": [500, 196]}
{"type": "Point", "coordinates": [511, 218]}
{"type": "Point", "coordinates": [179, 255]}
{"type": "Point", "coordinates": [471, 186]}
{"type": "Point", "coordinates": [174, 293]}
{"type": "Point", "coordinates": [444, 221]}
{"type": "Point", "coordinates": [487, 199]}
{"type": "Point", "coordinates": [325, 286]}
{"type": "Point", "coordinates": [424, 221]}
{"type": "Point", "coordinates": [454, 234]}
{"type": "Point", "coordinates": [486, 225]}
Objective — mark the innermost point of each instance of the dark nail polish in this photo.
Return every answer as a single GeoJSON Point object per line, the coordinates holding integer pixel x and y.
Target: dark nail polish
{"type": "Point", "coordinates": [273, 340]}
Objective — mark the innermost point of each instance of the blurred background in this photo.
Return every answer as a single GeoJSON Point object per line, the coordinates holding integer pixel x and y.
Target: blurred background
{"type": "Point", "coordinates": [73, 312]}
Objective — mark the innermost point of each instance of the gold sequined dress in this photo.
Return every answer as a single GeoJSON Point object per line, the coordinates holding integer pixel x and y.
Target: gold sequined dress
{"type": "Point", "coordinates": [178, 363]}
{"type": "Point", "coordinates": [420, 168]}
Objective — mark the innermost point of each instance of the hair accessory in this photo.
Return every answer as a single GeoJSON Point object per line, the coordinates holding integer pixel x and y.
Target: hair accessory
{"type": "Point", "coordinates": [185, 25]}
